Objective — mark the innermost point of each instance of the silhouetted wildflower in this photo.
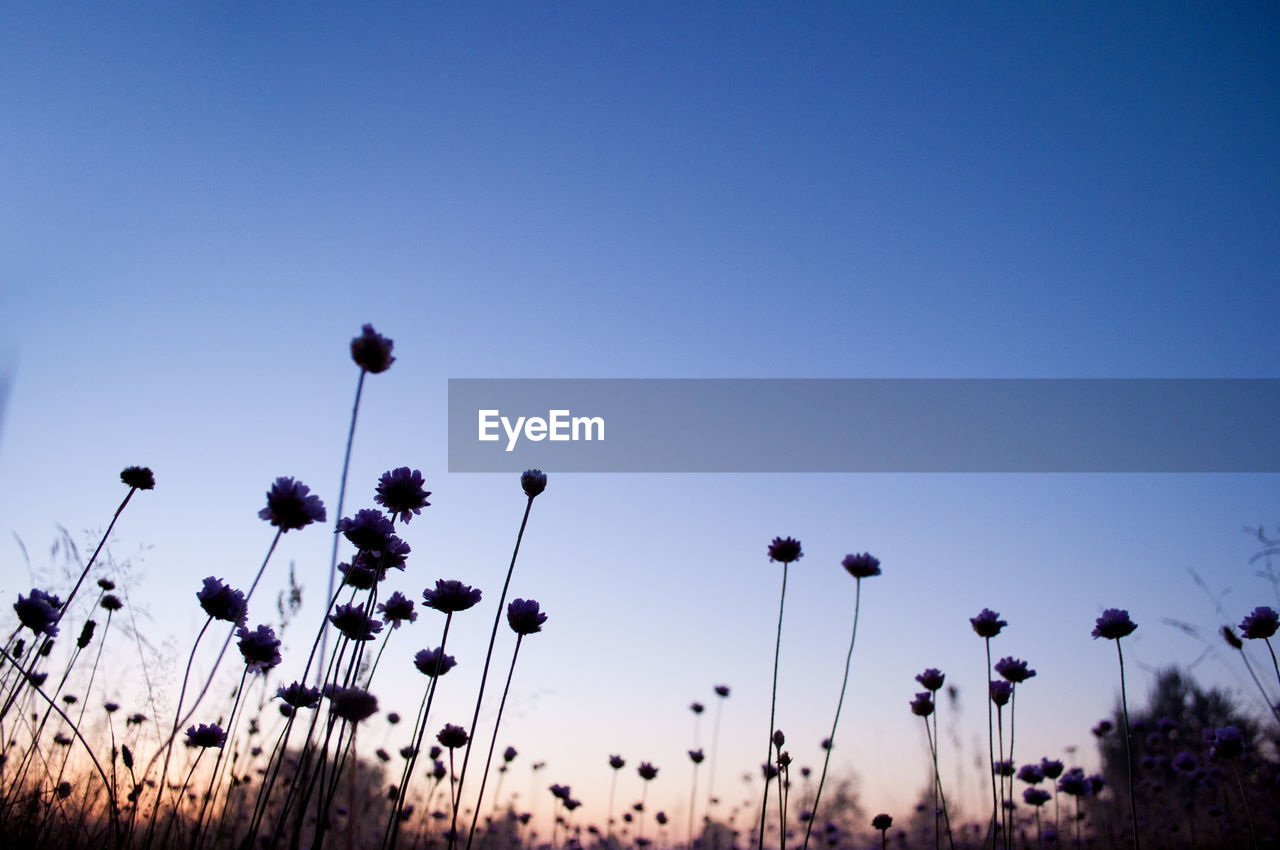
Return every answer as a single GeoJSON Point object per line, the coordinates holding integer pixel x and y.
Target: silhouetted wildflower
{"type": "Point", "coordinates": [260, 648]}
{"type": "Point", "coordinates": [696, 756]}
{"type": "Point", "coordinates": [1052, 768]}
{"type": "Point", "coordinates": [451, 737]}
{"type": "Point", "coordinates": [1014, 669]}
{"type": "Point", "coordinates": [221, 602]}
{"type": "Point", "coordinates": [1031, 774]}
{"type": "Point", "coordinates": [402, 493]}
{"type": "Point", "coordinates": [1036, 797]}
{"type": "Point", "coordinates": [697, 707]}
{"type": "Point", "coordinates": [533, 482]}
{"type": "Point", "coordinates": [427, 661]}
{"type": "Point", "coordinates": [450, 596]}
{"type": "Point", "coordinates": [1261, 624]}
{"type": "Point", "coordinates": [722, 690]}
{"type": "Point", "coordinates": [86, 634]}
{"type": "Point", "coordinates": [372, 351]}
{"type": "Point", "coordinates": [291, 506]}
{"type": "Point", "coordinates": [106, 584]}
{"type": "Point", "coordinates": [524, 617]}
{"type": "Point", "coordinates": [206, 736]}
{"type": "Point", "coordinates": [932, 679]}
{"type": "Point", "coordinates": [560, 792]}
{"type": "Point", "coordinates": [1074, 783]}
{"type": "Point", "coordinates": [616, 762]}
{"type": "Point", "coordinates": [1230, 637]}
{"type": "Point", "coordinates": [1096, 784]}
{"type": "Point", "coordinates": [299, 695]}
{"type": "Point", "coordinates": [861, 566]}
{"type": "Point", "coordinates": [39, 612]}
{"type": "Point", "coordinates": [360, 574]}
{"type": "Point", "coordinates": [354, 622]}
{"type": "Point", "coordinates": [785, 550]}
{"type": "Point", "coordinates": [1184, 762]}
{"type": "Point", "coordinates": [368, 530]}
{"type": "Point", "coordinates": [62, 740]}
{"type": "Point", "coordinates": [647, 771]}
{"type": "Point", "coordinates": [1225, 743]}
{"type": "Point", "coordinates": [111, 707]}
{"type": "Point", "coordinates": [111, 602]}
{"type": "Point", "coordinates": [1001, 691]}
{"type": "Point", "coordinates": [353, 704]}
{"type": "Point", "coordinates": [1103, 728]}
{"type": "Point", "coordinates": [138, 477]}
{"type": "Point", "coordinates": [509, 754]}
{"type": "Point", "coordinates": [987, 624]}
{"type": "Point", "coordinates": [136, 719]}
{"type": "Point", "coordinates": [881, 822]}
{"type": "Point", "coordinates": [397, 609]}
{"type": "Point", "coordinates": [1113, 624]}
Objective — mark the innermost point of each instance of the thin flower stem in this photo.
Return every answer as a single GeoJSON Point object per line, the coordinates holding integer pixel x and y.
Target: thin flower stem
{"type": "Point", "coordinates": [88, 566]}
{"type": "Point", "coordinates": [613, 786]}
{"type": "Point", "coordinates": [212, 791]}
{"type": "Point", "coordinates": [493, 741]}
{"type": "Point", "coordinates": [1128, 752]}
{"type": "Point", "coordinates": [1004, 812]}
{"type": "Point", "coordinates": [848, 660]}
{"type": "Point", "coordinates": [937, 781]}
{"type": "Point", "coordinates": [1248, 810]}
{"type": "Point", "coordinates": [715, 746]}
{"type": "Point", "coordinates": [995, 806]}
{"type": "Point", "coordinates": [773, 705]}
{"type": "Point", "coordinates": [1272, 650]}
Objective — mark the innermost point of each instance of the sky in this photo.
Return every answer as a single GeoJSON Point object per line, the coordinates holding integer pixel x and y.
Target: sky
{"type": "Point", "coordinates": [204, 203]}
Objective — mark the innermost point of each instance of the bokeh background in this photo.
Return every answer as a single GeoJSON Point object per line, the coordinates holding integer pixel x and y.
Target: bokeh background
{"type": "Point", "coordinates": [203, 203]}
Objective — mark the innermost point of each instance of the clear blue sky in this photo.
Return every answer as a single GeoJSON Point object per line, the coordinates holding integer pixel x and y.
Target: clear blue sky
{"type": "Point", "coordinates": [203, 204]}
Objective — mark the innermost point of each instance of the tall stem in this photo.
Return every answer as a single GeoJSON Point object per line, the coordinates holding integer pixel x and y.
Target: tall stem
{"type": "Point", "coordinates": [493, 741]}
{"type": "Point", "coordinates": [773, 704]}
{"type": "Point", "coordinates": [1128, 751]}
{"type": "Point", "coordinates": [995, 806]}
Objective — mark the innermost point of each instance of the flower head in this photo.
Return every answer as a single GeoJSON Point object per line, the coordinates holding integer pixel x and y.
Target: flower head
{"type": "Point", "coordinates": [524, 617]}
{"type": "Point", "coordinates": [431, 662]}
{"type": "Point", "coordinates": [1261, 624]}
{"type": "Point", "coordinates": [1184, 762]}
{"type": "Point", "coordinates": [616, 762]}
{"type": "Point", "coordinates": [1052, 768]}
{"type": "Point", "coordinates": [509, 754]}
{"type": "Point", "coordinates": [138, 477]}
{"type": "Point", "coordinates": [722, 690]}
{"type": "Point", "coordinates": [1001, 691]}
{"type": "Point", "coordinates": [1036, 796]}
{"type": "Point", "coordinates": [1031, 774]}
{"type": "Point", "coordinates": [451, 736]}
{"type": "Point", "coordinates": [696, 756]}
{"type": "Point", "coordinates": [352, 704]}
{"type": "Point", "coordinates": [291, 506]}
{"type": "Point", "coordinates": [354, 623]}
{"type": "Point", "coordinates": [221, 602]}
{"type": "Point", "coordinates": [39, 612]}
{"type": "Point", "coordinates": [372, 351]}
{"type": "Point", "coordinates": [450, 596]}
{"type": "Point", "coordinates": [1113, 624]}
{"type": "Point", "coordinates": [932, 679]}
{"type": "Point", "coordinates": [533, 482]}
{"type": "Point", "coordinates": [206, 736]}
{"type": "Point", "coordinates": [397, 609]}
{"type": "Point", "coordinates": [861, 566]}
{"type": "Point", "coordinates": [1103, 728]}
{"type": "Point", "coordinates": [785, 550]}
{"type": "Point", "coordinates": [111, 602]}
{"type": "Point", "coordinates": [881, 822]}
{"type": "Point", "coordinates": [86, 633]}
{"type": "Point", "coordinates": [922, 705]}
{"type": "Point", "coordinates": [260, 648]}
{"type": "Point", "coordinates": [368, 530]}
{"type": "Point", "coordinates": [1226, 743]}
{"type": "Point", "coordinates": [299, 695]}
{"type": "Point", "coordinates": [402, 493]}
{"type": "Point", "coordinates": [1074, 783]}
{"type": "Point", "coordinates": [1230, 637]}
{"type": "Point", "coordinates": [560, 792]}
{"type": "Point", "coordinates": [987, 624]}
{"type": "Point", "coordinates": [647, 771]}
{"type": "Point", "coordinates": [1014, 670]}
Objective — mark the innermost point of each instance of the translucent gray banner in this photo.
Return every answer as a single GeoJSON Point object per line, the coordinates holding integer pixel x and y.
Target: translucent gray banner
{"type": "Point", "coordinates": [864, 425]}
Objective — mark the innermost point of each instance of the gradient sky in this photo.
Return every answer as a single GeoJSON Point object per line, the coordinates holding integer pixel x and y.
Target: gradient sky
{"type": "Point", "coordinates": [203, 204]}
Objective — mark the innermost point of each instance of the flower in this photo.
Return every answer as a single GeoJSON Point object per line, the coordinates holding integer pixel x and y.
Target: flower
{"type": "Point", "coordinates": [206, 736]}
{"type": "Point", "coordinates": [881, 822]}
{"type": "Point", "coordinates": [785, 550]}
{"type": "Point", "coordinates": [861, 566]}
{"type": "Point", "coordinates": [135, 719]}
{"type": "Point", "coordinates": [111, 602]}
{"type": "Point", "coordinates": [290, 505]}
{"type": "Point", "coordinates": [221, 602]}
{"type": "Point", "coordinates": [560, 792]}
{"type": "Point", "coordinates": [353, 704]}
{"type": "Point", "coordinates": [1103, 728]}
{"type": "Point", "coordinates": [450, 596]}
{"type": "Point", "coordinates": [524, 617]}
{"type": "Point", "coordinates": [647, 771]}
{"type": "Point", "coordinates": [106, 584]}
{"type": "Point", "coordinates": [372, 351]}
{"type": "Point", "coordinates": [1113, 625]}
{"type": "Point", "coordinates": [452, 737]}
{"type": "Point", "coordinates": [1035, 796]}
{"type": "Point", "coordinates": [1225, 743]}
{"type": "Point", "coordinates": [397, 609]}
{"type": "Point", "coordinates": [86, 633]}
{"type": "Point", "coordinates": [1073, 783]}
{"type": "Point", "coordinates": [922, 705]}
{"type": "Point", "coordinates": [697, 707]}
{"type": "Point", "coordinates": [368, 529]}
{"type": "Point", "coordinates": [260, 648]}
{"type": "Point", "coordinates": [1031, 774]}
{"type": "Point", "coordinates": [722, 690]}
{"type": "Point", "coordinates": [1014, 670]}
{"type": "Point", "coordinates": [533, 482]}
{"type": "Point", "coordinates": [431, 662]}
{"type": "Point", "coordinates": [1003, 768]}
{"type": "Point", "coordinates": [111, 707]}
{"type": "Point", "coordinates": [696, 756]}
{"type": "Point", "coordinates": [1231, 639]}
{"type": "Point", "coordinates": [354, 623]}
{"type": "Point", "coordinates": [39, 612]}
{"type": "Point", "coordinates": [1001, 691]}
{"type": "Point", "coordinates": [987, 624]}
{"type": "Point", "coordinates": [932, 679]}
{"type": "Point", "coordinates": [299, 695]}
{"type": "Point", "coordinates": [1261, 624]}
{"type": "Point", "coordinates": [361, 573]}
{"type": "Point", "coordinates": [138, 477]}
{"type": "Point", "coordinates": [1052, 768]}
{"type": "Point", "coordinates": [1184, 762]}
{"type": "Point", "coordinates": [400, 491]}
{"type": "Point", "coordinates": [509, 754]}
{"type": "Point", "coordinates": [616, 762]}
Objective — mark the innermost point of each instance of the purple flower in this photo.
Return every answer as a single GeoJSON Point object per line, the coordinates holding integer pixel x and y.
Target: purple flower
{"type": "Point", "coordinates": [932, 678]}
{"type": "Point", "coordinates": [363, 572]}
{"type": "Point", "coordinates": [696, 756]}
{"type": "Point", "coordinates": [1001, 691]}
{"type": "Point", "coordinates": [401, 492]}
{"type": "Point", "coordinates": [987, 624]}
{"type": "Point", "coordinates": [206, 736]}
{"type": "Point", "coordinates": [509, 754]}
{"type": "Point", "coordinates": [647, 771]}
{"type": "Point", "coordinates": [138, 477]}
{"type": "Point", "coordinates": [368, 529]}
{"type": "Point", "coordinates": [353, 622]}
{"type": "Point", "coordinates": [861, 566]}
{"type": "Point", "coordinates": [922, 705]}
{"type": "Point", "coordinates": [111, 602]}
{"type": "Point", "coordinates": [533, 482]}
{"type": "Point", "coordinates": [1184, 762]}
{"type": "Point", "coordinates": [1031, 774]}
{"type": "Point", "coordinates": [290, 505]}
{"type": "Point", "coordinates": [1052, 768]}
{"type": "Point", "coordinates": [352, 704]}
{"type": "Point", "coordinates": [1014, 670]}
{"type": "Point", "coordinates": [299, 695]}
{"type": "Point", "coordinates": [431, 662]}
{"type": "Point", "coordinates": [1231, 639]}
{"type": "Point", "coordinates": [616, 762]}
{"type": "Point", "coordinates": [451, 736]}
{"type": "Point", "coordinates": [450, 596]}
{"type": "Point", "coordinates": [524, 617]}
{"type": "Point", "coordinates": [722, 690]}
{"type": "Point", "coordinates": [1226, 743]}
{"type": "Point", "coordinates": [785, 550]}
{"type": "Point", "coordinates": [560, 792]}
{"type": "Point", "coordinates": [1103, 728]}
{"type": "Point", "coordinates": [1074, 783]}
{"type": "Point", "coordinates": [372, 351]}
{"type": "Point", "coordinates": [39, 612]}
{"type": "Point", "coordinates": [1261, 624]}
{"type": "Point", "coordinates": [260, 648]}
{"type": "Point", "coordinates": [397, 609]}
{"type": "Point", "coordinates": [881, 822]}
{"type": "Point", "coordinates": [1113, 625]}
{"type": "Point", "coordinates": [1035, 797]}
{"type": "Point", "coordinates": [221, 602]}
